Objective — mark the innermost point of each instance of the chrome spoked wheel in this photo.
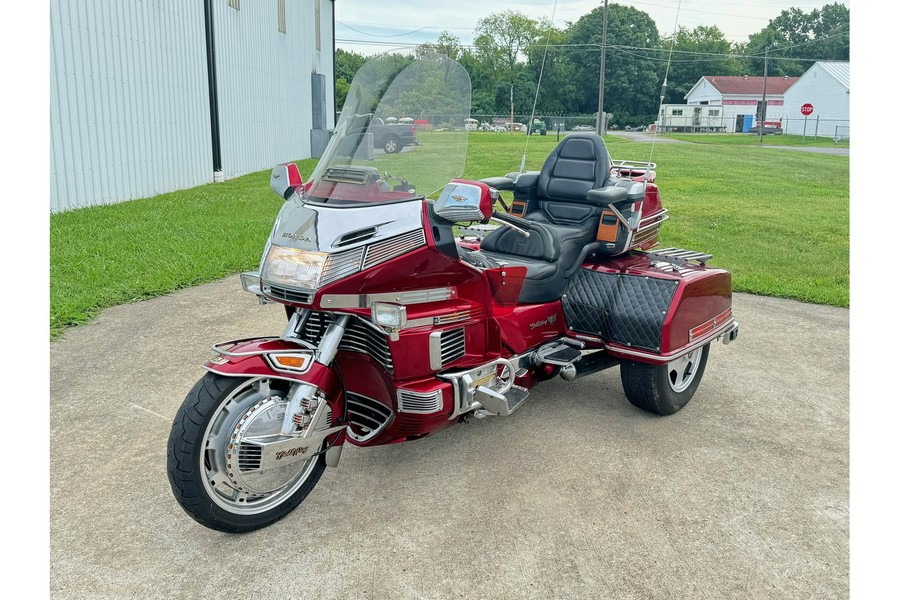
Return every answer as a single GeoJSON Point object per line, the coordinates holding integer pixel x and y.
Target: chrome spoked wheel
{"type": "Point", "coordinates": [681, 371]}
{"type": "Point", "coordinates": [231, 457]}
{"type": "Point", "coordinates": [215, 455]}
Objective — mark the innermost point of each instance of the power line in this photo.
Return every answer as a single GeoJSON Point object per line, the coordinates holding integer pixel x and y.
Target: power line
{"type": "Point", "coordinates": [380, 35]}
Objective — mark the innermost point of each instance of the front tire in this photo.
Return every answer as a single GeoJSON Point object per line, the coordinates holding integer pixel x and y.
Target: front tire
{"type": "Point", "coordinates": [664, 389]}
{"type": "Point", "coordinates": [214, 481]}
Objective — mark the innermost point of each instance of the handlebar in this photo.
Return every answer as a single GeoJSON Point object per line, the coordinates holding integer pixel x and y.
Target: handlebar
{"type": "Point", "coordinates": [515, 223]}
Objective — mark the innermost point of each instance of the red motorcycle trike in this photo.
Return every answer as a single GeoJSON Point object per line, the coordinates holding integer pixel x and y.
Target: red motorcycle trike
{"type": "Point", "coordinates": [400, 323]}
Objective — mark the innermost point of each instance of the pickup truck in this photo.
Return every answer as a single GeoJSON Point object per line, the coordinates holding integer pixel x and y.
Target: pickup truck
{"type": "Point", "coordinates": [392, 137]}
{"type": "Point", "coordinates": [388, 137]}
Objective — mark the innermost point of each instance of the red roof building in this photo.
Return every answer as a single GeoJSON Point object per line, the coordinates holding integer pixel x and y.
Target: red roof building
{"type": "Point", "coordinates": [741, 97]}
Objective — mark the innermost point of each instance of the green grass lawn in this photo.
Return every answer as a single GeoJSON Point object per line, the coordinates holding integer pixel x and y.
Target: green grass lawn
{"type": "Point", "coordinates": [746, 139]}
{"type": "Point", "coordinates": [779, 220]}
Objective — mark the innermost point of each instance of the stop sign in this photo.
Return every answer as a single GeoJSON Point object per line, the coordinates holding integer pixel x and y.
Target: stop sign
{"type": "Point", "coordinates": [806, 109]}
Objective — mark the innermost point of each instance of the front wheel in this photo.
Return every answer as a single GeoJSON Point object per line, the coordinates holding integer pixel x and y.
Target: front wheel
{"type": "Point", "coordinates": [213, 463]}
{"type": "Point", "coordinates": [664, 389]}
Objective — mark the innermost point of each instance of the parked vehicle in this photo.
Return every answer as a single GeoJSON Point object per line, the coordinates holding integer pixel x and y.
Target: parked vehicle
{"type": "Point", "coordinates": [396, 329]}
{"type": "Point", "coordinates": [537, 127]}
{"type": "Point", "coordinates": [390, 137]}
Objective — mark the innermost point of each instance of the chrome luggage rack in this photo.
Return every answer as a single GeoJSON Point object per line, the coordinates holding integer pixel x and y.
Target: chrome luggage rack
{"type": "Point", "coordinates": [634, 168]}
{"type": "Point", "coordinates": [679, 256]}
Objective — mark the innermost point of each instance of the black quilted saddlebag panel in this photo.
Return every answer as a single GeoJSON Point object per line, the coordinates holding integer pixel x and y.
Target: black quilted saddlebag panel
{"type": "Point", "coordinates": [627, 309]}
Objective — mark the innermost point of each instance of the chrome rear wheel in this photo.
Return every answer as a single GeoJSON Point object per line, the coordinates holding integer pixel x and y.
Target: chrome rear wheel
{"type": "Point", "coordinates": [664, 389]}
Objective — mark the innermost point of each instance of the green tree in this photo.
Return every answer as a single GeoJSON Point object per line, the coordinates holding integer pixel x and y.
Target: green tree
{"type": "Point", "coordinates": [346, 64]}
{"type": "Point", "coordinates": [796, 39]}
{"type": "Point", "coordinates": [697, 52]}
{"type": "Point", "coordinates": [633, 74]}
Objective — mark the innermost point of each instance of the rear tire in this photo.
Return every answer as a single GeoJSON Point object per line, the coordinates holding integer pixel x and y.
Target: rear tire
{"type": "Point", "coordinates": [199, 457]}
{"type": "Point", "coordinates": [392, 145]}
{"type": "Point", "coordinates": [664, 389]}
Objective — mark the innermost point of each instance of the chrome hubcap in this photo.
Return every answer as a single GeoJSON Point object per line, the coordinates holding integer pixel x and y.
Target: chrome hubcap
{"type": "Point", "coordinates": [251, 415]}
{"type": "Point", "coordinates": [681, 371]}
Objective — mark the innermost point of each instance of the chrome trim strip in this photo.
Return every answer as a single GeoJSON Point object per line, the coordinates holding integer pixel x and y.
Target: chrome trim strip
{"type": "Point", "coordinates": [434, 350]}
{"type": "Point", "coordinates": [217, 348]}
{"type": "Point", "coordinates": [408, 297]}
{"type": "Point", "coordinates": [612, 348]}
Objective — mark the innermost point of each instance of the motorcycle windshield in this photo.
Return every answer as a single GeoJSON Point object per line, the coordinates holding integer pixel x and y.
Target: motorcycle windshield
{"type": "Point", "coordinates": [401, 133]}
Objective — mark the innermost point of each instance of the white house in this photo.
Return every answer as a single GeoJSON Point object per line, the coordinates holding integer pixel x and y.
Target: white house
{"type": "Point", "coordinates": [826, 88]}
{"type": "Point", "coordinates": [741, 97]}
{"type": "Point", "coordinates": [152, 97]}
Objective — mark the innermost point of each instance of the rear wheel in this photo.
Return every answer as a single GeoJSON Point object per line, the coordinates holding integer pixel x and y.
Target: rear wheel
{"type": "Point", "coordinates": [392, 145]}
{"type": "Point", "coordinates": [213, 463]}
{"type": "Point", "coordinates": [664, 389]}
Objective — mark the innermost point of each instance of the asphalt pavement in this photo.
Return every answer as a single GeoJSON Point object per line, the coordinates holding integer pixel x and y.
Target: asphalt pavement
{"type": "Point", "coordinates": [742, 494]}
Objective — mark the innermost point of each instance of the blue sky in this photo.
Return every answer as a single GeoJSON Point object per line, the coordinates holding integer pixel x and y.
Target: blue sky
{"type": "Point", "coordinates": [370, 27]}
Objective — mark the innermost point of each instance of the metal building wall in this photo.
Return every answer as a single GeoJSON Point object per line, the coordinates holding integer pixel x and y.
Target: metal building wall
{"type": "Point", "coordinates": [129, 100]}
{"type": "Point", "coordinates": [264, 80]}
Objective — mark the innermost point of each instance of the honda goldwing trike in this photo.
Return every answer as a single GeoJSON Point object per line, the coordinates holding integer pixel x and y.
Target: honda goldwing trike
{"type": "Point", "coordinates": [415, 301]}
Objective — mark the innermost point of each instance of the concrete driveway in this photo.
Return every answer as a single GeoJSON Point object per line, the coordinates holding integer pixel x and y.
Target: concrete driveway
{"type": "Point", "coordinates": [743, 494]}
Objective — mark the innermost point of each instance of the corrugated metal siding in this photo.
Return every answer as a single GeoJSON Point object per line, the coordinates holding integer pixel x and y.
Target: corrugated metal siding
{"type": "Point", "coordinates": [129, 100]}
{"type": "Point", "coordinates": [838, 70]}
{"type": "Point", "coordinates": [264, 81]}
{"type": "Point", "coordinates": [822, 86]}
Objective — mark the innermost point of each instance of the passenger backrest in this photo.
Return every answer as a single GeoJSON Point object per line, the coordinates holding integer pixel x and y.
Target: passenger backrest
{"type": "Point", "coordinates": [579, 163]}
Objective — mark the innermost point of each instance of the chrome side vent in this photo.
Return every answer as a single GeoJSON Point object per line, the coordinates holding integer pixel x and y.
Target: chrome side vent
{"type": "Point", "coordinates": [354, 237]}
{"type": "Point", "coordinates": [340, 265]}
{"type": "Point", "coordinates": [368, 417]}
{"type": "Point", "coordinates": [358, 337]}
{"type": "Point", "coordinates": [384, 251]}
{"type": "Point", "coordinates": [282, 293]}
{"type": "Point", "coordinates": [446, 346]}
{"type": "Point", "coordinates": [424, 403]}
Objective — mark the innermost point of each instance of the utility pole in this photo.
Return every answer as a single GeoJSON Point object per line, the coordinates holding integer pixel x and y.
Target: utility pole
{"type": "Point", "coordinates": [512, 109]}
{"type": "Point", "coordinates": [762, 110]}
{"type": "Point", "coordinates": [601, 126]}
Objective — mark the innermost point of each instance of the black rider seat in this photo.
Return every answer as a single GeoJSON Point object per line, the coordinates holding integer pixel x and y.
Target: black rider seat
{"type": "Point", "coordinates": [563, 228]}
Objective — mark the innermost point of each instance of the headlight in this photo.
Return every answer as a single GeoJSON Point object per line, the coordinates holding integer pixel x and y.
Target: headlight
{"type": "Point", "coordinates": [293, 268]}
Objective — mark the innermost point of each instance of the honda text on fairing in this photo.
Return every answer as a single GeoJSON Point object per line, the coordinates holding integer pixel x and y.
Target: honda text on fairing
{"type": "Point", "coordinates": [413, 304]}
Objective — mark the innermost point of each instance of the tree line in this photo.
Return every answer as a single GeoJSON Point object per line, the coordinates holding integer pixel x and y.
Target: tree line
{"type": "Point", "coordinates": [506, 58]}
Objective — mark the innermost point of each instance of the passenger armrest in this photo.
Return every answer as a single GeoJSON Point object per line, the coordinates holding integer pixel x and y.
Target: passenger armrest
{"type": "Point", "coordinates": [499, 183]}
{"type": "Point", "coordinates": [526, 180]}
{"type": "Point", "coordinates": [607, 195]}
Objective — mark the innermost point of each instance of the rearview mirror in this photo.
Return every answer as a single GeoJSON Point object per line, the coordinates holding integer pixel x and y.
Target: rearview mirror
{"type": "Point", "coordinates": [463, 201]}
{"type": "Point", "coordinates": [285, 179]}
